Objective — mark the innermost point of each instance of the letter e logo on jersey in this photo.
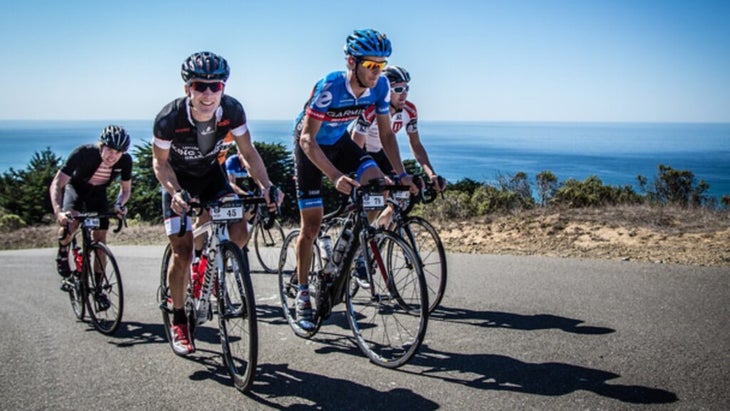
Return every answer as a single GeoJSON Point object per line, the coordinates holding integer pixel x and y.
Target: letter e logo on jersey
{"type": "Point", "coordinates": [324, 99]}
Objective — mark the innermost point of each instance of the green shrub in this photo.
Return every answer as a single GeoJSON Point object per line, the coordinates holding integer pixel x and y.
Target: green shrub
{"type": "Point", "coordinates": [11, 222]}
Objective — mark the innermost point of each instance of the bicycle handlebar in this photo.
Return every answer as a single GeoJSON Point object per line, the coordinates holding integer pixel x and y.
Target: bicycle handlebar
{"type": "Point", "coordinates": [200, 206]}
{"type": "Point", "coordinates": [120, 220]}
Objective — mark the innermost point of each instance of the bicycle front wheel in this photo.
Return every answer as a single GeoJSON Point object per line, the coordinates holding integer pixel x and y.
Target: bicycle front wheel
{"type": "Point", "coordinates": [237, 316]}
{"type": "Point", "coordinates": [267, 243]}
{"type": "Point", "coordinates": [425, 241]}
{"type": "Point", "coordinates": [389, 319]}
{"type": "Point", "coordinates": [105, 294]}
{"type": "Point", "coordinates": [76, 289]}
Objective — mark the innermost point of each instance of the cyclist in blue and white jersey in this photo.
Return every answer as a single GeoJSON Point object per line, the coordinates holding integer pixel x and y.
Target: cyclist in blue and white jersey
{"type": "Point", "coordinates": [322, 144]}
{"type": "Point", "coordinates": [189, 134]}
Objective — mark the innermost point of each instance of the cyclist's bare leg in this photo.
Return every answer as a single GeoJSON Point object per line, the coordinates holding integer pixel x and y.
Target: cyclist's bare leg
{"type": "Point", "coordinates": [238, 233]}
{"type": "Point", "coordinates": [311, 219]}
{"type": "Point", "coordinates": [72, 227]}
{"type": "Point", "coordinates": [100, 237]}
{"type": "Point", "coordinates": [179, 270]}
{"type": "Point", "coordinates": [203, 218]}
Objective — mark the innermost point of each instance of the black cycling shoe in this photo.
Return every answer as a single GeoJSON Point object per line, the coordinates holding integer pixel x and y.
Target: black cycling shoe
{"type": "Point", "coordinates": [102, 301]}
{"type": "Point", "coordinates": [62, 263]}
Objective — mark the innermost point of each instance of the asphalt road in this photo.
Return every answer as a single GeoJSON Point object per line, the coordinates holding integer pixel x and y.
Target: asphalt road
{"type": "Point", "coordinates": [513, 333]}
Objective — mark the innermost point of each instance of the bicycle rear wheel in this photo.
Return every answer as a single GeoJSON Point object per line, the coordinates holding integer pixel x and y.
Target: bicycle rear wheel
{"type": "Point", "coordinates": [105, 296]}
{"type": "Point", "coordinates": [389, 320]}
{"type": "Point", "coordinates": [237, 316]}
{"type": "Point", "coordinates": [267, 243]}
{"type": "Point", "coordinates": [289, 284]}
{"type": "Point", "coordinates": [425, 241]}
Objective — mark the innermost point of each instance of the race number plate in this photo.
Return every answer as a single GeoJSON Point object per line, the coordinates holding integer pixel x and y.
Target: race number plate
{"type": "Point", "coordinates": [373, 201]}
{"type": "Point", "coordinates": [227, 212]}
{"type": "Point", "coordinates": [402, 195]}
{"type": "Point", "coordinates": [92, 222]}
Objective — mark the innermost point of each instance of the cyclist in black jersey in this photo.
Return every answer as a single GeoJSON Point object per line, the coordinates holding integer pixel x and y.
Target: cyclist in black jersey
{"type": "Point", "coordinates": [322, 144]}
{"type": "Point", "coordinates": [81, 185]}
{"type": "Point", "coordinates": [189, 134]}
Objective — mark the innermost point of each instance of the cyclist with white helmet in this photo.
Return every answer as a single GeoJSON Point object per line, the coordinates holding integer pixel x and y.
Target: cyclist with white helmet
{"type": "Point", "coordinates": [322, 144]}
{"type": "Point", "coordinates": [81, 185]}
{"type": "Point", "coordinates": [403, 115]}
{"type": "Point", "coordinates": [189, 134]}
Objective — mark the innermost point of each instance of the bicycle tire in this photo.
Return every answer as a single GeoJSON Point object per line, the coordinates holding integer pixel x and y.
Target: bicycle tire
{"type": "Point", "coordinates": [289, 284]}
{"type": "Point", "coordinates": [108, 286]}
{"type": "Point", "coordinates": [389, 319]}
{"type": "Point", "coordinates": [425, 241]}
{"type": "Point", "coordinates": [267, 243]}
{"type": "Point", "coordinates": [237, 316]}
{"type": "Point", "coordinates": [76, 294]}
{"type": "Point", "coordinates": [163, 293]}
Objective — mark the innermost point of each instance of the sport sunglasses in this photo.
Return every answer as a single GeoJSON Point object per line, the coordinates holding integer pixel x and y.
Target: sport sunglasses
{"type": "Point", "coordinates": [400, 89]}
{"type": "Point", "coordinates": [372, 65]}
{"type": "Point", "coordinates": [200, 86]}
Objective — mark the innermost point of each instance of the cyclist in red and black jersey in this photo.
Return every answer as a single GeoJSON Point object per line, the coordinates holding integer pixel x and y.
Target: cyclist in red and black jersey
{"type": "Point", "coordinates": [189, 134]}
{"type": "Point", "coordinates": [403, 115]}
{"type": "Point", "coordinates": [80, 185]}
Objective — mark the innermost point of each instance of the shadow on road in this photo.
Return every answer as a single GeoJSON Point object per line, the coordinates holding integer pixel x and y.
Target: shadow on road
{"type": "Point", "coordinates": [502, 373]}
{"type": "Point", "coordinates": [274, 381]}
{"type": "Point", "coordinates": [496, 319]}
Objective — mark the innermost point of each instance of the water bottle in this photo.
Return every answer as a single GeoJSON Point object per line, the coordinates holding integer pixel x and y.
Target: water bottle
{"type": "Point", "coordinates": [78, 258]}
{"type": "Point", "coordinates": [341, 247]}
{"type": "Point", "coordinates": [325, 251]}
{"type": "Point", "coordinates": [199, 275]}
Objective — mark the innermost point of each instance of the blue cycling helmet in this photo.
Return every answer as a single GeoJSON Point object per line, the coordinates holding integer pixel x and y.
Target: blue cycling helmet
{"type": "Point", "coordinates": [396, 74]}
{"type": "Point", "coordinates": [205, 65]}
{"type": "Point", "coordinates": [115, 137]}
{"type": "Point", "coordinates": [367, 42]}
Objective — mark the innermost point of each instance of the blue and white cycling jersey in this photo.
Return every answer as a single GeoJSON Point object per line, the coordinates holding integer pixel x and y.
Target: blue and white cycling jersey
{"type": "Point", "coordinates": [334, 103]}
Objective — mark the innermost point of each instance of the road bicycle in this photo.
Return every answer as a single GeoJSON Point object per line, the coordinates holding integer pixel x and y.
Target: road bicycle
{"type": "Point", "coordinates": [421, 236]}
{"type": "Point", "coordinates": [268, 237]}
{"type": "Point", "coordinates": [388, 318]}
{"type": "Point", "coordinates": [95, 283]}
{"type": "Point", "coordinates": [221, 285]}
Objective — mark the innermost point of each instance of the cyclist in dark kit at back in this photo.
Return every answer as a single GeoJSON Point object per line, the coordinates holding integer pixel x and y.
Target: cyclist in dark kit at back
{"type": "Point", "coordinates": [81, 185]}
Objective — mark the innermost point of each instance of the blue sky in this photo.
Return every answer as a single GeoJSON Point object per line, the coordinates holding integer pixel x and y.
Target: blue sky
{"type": "Point", "coordinates": [482, 60]}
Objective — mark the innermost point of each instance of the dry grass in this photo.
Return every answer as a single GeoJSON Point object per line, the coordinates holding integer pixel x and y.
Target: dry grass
{"type": "Point", "coordinates": [636, 233]}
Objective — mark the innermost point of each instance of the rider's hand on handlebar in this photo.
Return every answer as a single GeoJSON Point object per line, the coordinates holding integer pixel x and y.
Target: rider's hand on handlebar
{"type": "Point", "coordinates": [120, 210]}
{"type": "Point", "coordinates": [407, 180]}
{"type": "Point", "coordinates": [344, 184]}
{"type": "Point", "coordinates": [179, 203]}
{"type": "Point", "coordinates": [438, 183]}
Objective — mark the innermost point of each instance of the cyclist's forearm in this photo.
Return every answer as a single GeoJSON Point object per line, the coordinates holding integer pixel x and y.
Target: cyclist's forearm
{"type": "Point", "coordinates": [125, 191]}
{"type": "Point", "coordinates": [164, 172]}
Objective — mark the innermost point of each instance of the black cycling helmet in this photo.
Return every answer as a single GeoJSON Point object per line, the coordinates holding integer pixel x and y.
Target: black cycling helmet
{"type": "Point", "coordinates": [367, 42]}
{"type": "Point", "coordinates": [205, 66]}
{"type": "Point", "coordinates": [397, 74]}
{"type": "Point", "coordinates": [115, 137]}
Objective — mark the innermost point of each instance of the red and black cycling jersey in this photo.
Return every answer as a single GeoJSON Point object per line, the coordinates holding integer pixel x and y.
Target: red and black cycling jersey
{"type": "Point", "coordinates": [175, 129]}
{"type": "Point", "coordinates": [83, 162]}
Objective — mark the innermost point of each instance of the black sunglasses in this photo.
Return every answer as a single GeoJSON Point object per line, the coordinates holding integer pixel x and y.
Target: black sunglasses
{"type": "Point", "coordinates": [200, 86]}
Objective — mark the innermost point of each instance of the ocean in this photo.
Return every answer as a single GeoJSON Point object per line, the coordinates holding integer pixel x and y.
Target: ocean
{"type": "Point", "coordinates": [482, 151]}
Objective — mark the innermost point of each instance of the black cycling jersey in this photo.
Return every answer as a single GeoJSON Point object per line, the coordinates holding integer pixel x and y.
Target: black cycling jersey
{"type": "Point", "coordinates": [83, 162]}
{"type": "Point", "coordinates": [175, 124]}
